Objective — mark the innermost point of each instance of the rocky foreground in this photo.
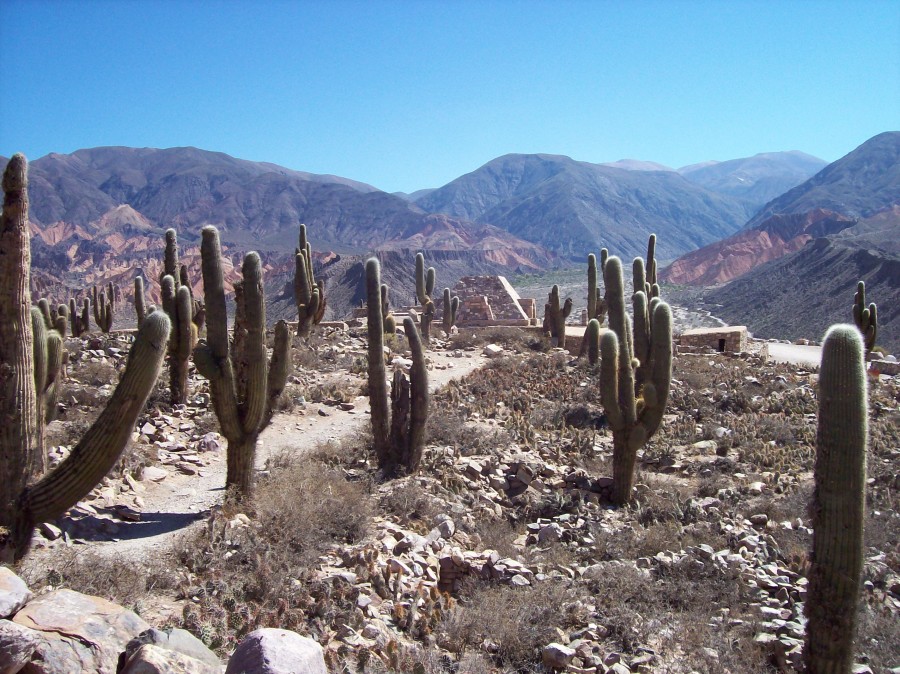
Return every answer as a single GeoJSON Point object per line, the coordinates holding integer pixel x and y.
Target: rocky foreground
{"type": "Point", "coordinates": [501, 555]}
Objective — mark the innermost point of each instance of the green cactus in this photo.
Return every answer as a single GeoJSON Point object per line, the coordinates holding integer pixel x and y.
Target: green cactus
{"type": "Point", "coordinates": [61, 320]}
{"type": "Point", "coordinates": [25, 502]}
{"type": "Point", "coordinates": [44, 306]}
{"type": "Point", "coordinates": [838, 509]}
{"type": "Point", "coordinates": [388, 320]}
{"type": "Point", "coordinates": [308, 293]}
{"type": "Point", "coordinates": [85, 320]}
{"type": "Point", "coordinates": [866, 318]}
{"type": "Point", "coordinates": [651, 268]}
{"type": "Point", "coordinates": [555, 318]}
{"type": "Point", "coordinates": [424, 281]}
{"type": "Point", "coordinates": [103, 308]}
{"type": "Point", "coordinates": [592, 341]}
{"type": "Point", "coordinates": [633, 417]}
{"type": "Point", "coordinates": [451, 308]}
{"type": "Point", "coordinates": [398, 431]}
{"type": "Point", "coordinates": [170, 257]}
{"type": "Point", "coordinates": [178, 307]}
{"type": "Point", "coordinates": [140, 306]}
{"type": "Point", "coordinates": [244, 387]}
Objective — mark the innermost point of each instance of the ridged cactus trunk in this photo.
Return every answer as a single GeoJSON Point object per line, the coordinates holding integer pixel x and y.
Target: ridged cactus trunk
{"type": "Point", "coordinates": [104, 307]}
{"type": "Point", "coordinates": [140, 306]}
{"type": "Point", "coordinates": [398, 429]}
{"type": "Point", "coordinates": [592, 341]}
{"type": "Point", "coordinates": [24, 501]}
{"type": "Point", "coordinates": [308, 293]}
{"type": "Point", "coordinates": [425, 280]}
{"type": "Point", "coordinates": [387, 318]}
{"type": "Point", "coordinates": [838, 510]}
{"type": "Point", "coordinates": [633, 417]}
{"type": "Point", "coordinates": [243, 385]}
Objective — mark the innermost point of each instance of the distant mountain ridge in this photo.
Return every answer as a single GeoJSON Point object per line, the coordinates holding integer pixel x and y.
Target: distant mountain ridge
{"type": "Point", "coordinates": [574, 207]}
{"type": "Point", "coordinates": [863, 183]}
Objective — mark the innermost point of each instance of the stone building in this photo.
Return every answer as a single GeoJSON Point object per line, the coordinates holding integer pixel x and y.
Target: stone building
{"type": "Point", "coordinates": [489, 300]}
{"type": "Point", "coordinates": [731, 338]}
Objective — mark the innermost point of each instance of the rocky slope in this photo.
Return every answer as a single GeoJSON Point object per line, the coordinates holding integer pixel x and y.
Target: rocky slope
{"type": "Point", "coordinates": [863, 184]}
{"type": "Point", "coordinates": [574, 207]}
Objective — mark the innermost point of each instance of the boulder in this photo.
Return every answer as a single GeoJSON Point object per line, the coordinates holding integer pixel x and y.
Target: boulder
{"type": "Point", "coordinates": [14, 593]}
{"type": "Point", "coordinates": [150, 659]}
{"type": "Point", "coordinates": [77, 632]}
{"type": "Point", "coordinates": [176, 640]}
{"type": "Point", "coordinates": [274, 651]}
{"type": "Point", "coordinates": [17, 645]}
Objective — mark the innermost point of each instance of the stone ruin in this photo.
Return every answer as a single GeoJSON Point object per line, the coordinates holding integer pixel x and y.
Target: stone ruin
{"type": "Point", "coordinates": [727, 339]}
{"type": "Point", "coordinates": [489, 300]}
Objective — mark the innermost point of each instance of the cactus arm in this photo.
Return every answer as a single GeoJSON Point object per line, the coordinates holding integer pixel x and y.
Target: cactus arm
{"type": "Point", "coordinates": [641, 336]}
{"type": "Point", "coordinates": [420, 278]}
{"type": "Point", "coordinates": [651, 260]}
{"type": "Point", "coordinates": [44, 308]}
{"type": "Point", "coordinates": [418, 393]}
{"type": "Point", "coordinates": [279, 367]}
{"type": "Point", "coordinates": [430, 278]}
{"type": "Point", "coordinates": [838, 503]}
{"type": "Point", "coordinates": [86, 316]}
{"type": "Point", "coordinates": [378, 398]}
{"type": "Point", "coordinates": [609, 380]}
{"type": "Point", "coordinates": [55, 360]}
{"type": "Point", "coordinates": [656, 391]}
{"type": "Point", "coordinates": [170, 259]}
{"type": "Point", "coordinates": [592, 287]}
{"type": "Point", "coordinates": [94, 456]}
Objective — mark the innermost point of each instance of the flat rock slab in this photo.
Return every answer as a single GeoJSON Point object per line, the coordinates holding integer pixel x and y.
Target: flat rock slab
{"type": "Point", "coordinates": [150, 659]}
{"type": "Point", "coordinates": [78, 633]}
{"type": "Point", "coordinates": [17, 645]}
{"type": "Point", "coordinates": [274, 651]}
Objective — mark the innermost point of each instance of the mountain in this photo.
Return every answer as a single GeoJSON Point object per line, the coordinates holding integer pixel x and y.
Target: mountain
{"type": "Point", "coordinates": [98, 215]}
{"type": "Point", "coordinates": [864, 183]}
{"type": "Point", "coordinates": [755, 180]}
{"type": "Point", "coordinates": [861, 183]}
{"type": "Point", "coordinates": [637, 165]}
{"type": "Point", "coordinates": [574, 207]}
{"type": "Point", "coordinates": [801, 294]}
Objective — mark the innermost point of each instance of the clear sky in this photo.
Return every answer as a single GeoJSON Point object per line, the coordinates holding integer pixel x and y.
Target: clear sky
{"type": "Point", "coordinates": [407, 95]}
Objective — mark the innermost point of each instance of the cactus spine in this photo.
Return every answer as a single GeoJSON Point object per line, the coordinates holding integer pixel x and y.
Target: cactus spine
{"type": "Point", "coordinates": [309, 294]}
{"type": "Point", "coordinates": [838, 504]}
{"type": "Point", "coordinates": [398, 431]}
{"type": "Point", "coordinates": [555, 318]}
{"type": "Point", "coordinates": [866, 318]}
{"type": "Point", "coordinates": [451, 308]}
{"type": "Point", "coordinates": [633, 417]}
{"type": "Point", "coordinates": [243, 386]}
{"type": "Point", "coordinates": [23, 503]}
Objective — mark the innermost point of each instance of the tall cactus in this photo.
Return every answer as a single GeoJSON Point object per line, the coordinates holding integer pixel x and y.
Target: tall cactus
{"type": "Point", "coordinates": [243, 385]}
{"type": "Point", "coordinates": [838, 504]}
{"type": "Point", "coordinates": [425, 280]}
{"type": "Point", "coordinates": [866, 318]}
{"type": "Point", "coordinates": [24, 502]}
{"type": "Point", "coordinates": [592, 341]}
{"type": "Point", "coordinates": [451, 308]}
{"type": "Point", "coordinates": [633, 418]}
{"type": "Point", "coordinates": [555, 317]}
{"type": "Point", "coordinates": [309, 294]}
{"type": "Point", "coordinates": [398, 431]}
{"type": "Point", "coordinates": [387, 318]}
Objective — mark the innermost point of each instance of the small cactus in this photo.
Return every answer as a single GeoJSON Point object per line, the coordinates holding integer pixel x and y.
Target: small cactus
{"type": "Point", "coordinates": [398, 431]}
{"type": "Point", "coordinates": [243, 385]}
{"type": "Point", "coordinates": [866, 318]}
{"type": "Point", "coordinates": [309, 294]}
{"type": "Point", "coordinates": [555, 318]}
{"type": "Point", "coordinates": [451, 308]}
{"type": "Point", "coordinates": [388, 320]}
{"type": "Point", "coordinates": [140, 307]}
{"type": "Point", "coordinates": [838, 510]}
{"type": "Point", "coordinates": [103, 308]}
{"type": "Point", "coordinates": [592, 341]}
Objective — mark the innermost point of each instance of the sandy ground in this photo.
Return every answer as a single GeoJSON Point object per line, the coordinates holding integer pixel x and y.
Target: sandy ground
{"type": "Point", "coordinates": [180, 500]}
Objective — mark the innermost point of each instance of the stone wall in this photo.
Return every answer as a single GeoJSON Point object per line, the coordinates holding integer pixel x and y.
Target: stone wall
{"type": "Point", "coordinates": [487, 300]}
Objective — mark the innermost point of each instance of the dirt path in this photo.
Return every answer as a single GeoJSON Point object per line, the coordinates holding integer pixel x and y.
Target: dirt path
{"type": "Point", "coordinates": [179, 500]}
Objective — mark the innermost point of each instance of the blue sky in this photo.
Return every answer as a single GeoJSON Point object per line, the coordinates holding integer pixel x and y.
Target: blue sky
{"type": "Point", "coordinates": [407, 95]}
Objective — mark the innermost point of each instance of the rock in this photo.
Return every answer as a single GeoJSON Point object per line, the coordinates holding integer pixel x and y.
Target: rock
{"type": "Point", "coordinates": [153, 474]}
{"type": "Point", "coordinates": [275, 651]}
{"type": "Point", "coordinates": [49, 531]}
{"type": "Point", "coordinates": [14, 593]}
{"type": "Point", "coordinates": [492, 350]}
{"type": "Point", "coordinates": [17, 644]}
{"type": "Point", "coordinates": [557, 656]}
{"type": "Point", "coordinates": [78, 633]}
{"type": "Point", "coordinates": [550, 533]}
{"type": "Point", "coordinates": [211, 442]}
{"type": "Point", "coordinates": [150, 659]}
{"type": "Point", "coordinates": [759, 520]}
{"type": "Point", "coordinates": [176, 640]}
